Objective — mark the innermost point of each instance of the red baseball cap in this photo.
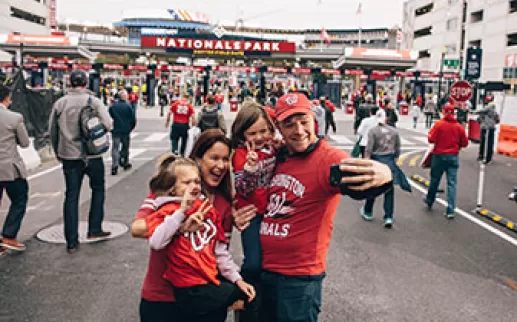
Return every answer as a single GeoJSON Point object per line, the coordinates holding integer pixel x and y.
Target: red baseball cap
{"type": "Point", "coordinates": [290, 104]}
{"type": "Point", "coordinates": [449, 109]}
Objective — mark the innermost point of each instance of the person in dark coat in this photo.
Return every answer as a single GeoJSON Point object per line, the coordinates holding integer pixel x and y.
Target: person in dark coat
{"type": "Point", "coordinates": [124, 121]}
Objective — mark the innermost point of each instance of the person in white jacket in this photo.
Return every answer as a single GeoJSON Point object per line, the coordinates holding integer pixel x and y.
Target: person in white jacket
{"type": "Point", "coordinates": [364, 128]}
{"type": "Point", "coordinates": [415, 114]}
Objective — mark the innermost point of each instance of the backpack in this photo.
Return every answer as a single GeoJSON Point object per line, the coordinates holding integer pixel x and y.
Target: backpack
{"type": "Point", "coordinates": [92, 132]}
{"type": "Point", "coordinates": [209, 120]}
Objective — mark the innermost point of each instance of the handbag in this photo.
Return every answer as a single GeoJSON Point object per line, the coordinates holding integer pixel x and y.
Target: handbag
{"type": "Point", "coordinates": [356, 151]}
{"type": "Point", "coordinates": [427, 159]}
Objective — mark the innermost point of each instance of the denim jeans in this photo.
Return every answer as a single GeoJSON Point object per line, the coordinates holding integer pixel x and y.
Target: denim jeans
{"type": "Point", "coordinates": [389, 204]}
{"type": "Point", "coordinates": [74, 171]}
{"type": "Point", "coordinates": [429, 120]}
{"type": "Point", "coordinates": [448, 164]}
{"type": "Point", "coordinates": [18, 192]}
{"type": "Point", "coordinates": [250, 238]}
{"type": "Point", "coordinates": [291, 298]}
{"type": "Point", "coordinates": [120, 150]}
{"type": "Point", "coordinates": [179, 131]}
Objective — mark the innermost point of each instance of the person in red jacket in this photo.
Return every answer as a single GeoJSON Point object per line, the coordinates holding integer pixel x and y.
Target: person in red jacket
{"type": "Point", "coordinates": [448, 137]}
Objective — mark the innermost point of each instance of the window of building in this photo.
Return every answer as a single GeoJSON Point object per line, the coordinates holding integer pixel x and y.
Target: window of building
{"type": "Point", "coordinates": [27, 16]}
{"type": "Point", "coordinates": [452, 24]}
{"type": "Point", "coordinates": [424, 54]}
{"type": "Point", "coordinates": [513, 6]}
{"type": "Point", "coordinates": [475, 43]}
{"type": "Point", "coordinates": [476, 16]}
{"type": "Point", "coordinates": [425, 9]}
{"type": "Point", "coordinates": [450, 49]}
{"type": "Point", "coordinates": [422, 32]}
{"type": "Point", "coordinates": [511, 39]}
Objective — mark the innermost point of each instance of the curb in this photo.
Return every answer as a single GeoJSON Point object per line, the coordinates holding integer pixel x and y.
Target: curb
{"type": "Point", "coordinates": [424, 182]}
{"type": "Point", "coordinates": [497, 219]}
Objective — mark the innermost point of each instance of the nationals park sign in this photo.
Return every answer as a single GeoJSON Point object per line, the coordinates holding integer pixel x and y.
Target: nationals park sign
{"type": "Point", "coordinates": [218, 44]}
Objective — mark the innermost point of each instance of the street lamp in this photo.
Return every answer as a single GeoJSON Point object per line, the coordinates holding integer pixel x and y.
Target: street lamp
{"type": "Point", "coordinates": [440, 75]}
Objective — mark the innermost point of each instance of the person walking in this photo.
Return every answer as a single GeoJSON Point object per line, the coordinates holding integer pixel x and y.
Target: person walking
{"type": "Point", "coordinates": [391, 114]}
{"type": "Point", "coordinates": [448, 137]}
{"type": "Point", "coordinates": [488, 119]}
{"type": "Point", "coordinates": [302, 202]}
{"type": "Point", "coordinates": [13, 173]}
{"type": "Point", "coordinates": [330, 108]}
{"type": "Point", "coordinates": [364, 111]}
{"type": "Point", "coordinates": [210, 117]}
{"type": "Point", "coordinates": [415, 114]}
{"type": "Point", "coordinates": [65, 129]}
{"type": "Point", "coordinates": [124, 121]}
{"type": "Point", "coordinates": [182, 114]}
{"type": "Point", "coordinates": [384, 146]}
{"type": "Point", "coordinates": [366, 125]}
{"type": "Point", "coordinates": [429, 111]}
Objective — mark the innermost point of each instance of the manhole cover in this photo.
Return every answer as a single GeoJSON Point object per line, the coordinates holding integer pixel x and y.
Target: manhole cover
{"type": "Point", "coordinates": [55, 234]}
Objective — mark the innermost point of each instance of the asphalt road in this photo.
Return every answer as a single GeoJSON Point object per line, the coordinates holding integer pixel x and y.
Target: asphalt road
{"type": "Point", "coordinates": [424, 269]}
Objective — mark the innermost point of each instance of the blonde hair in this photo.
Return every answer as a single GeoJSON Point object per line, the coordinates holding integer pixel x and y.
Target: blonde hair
{"type": "Point", "coordinates": [165, 177]}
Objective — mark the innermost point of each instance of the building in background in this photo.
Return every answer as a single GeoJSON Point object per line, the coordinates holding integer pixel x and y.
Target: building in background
{"type": "Point", "coordinates": [446, 28]}
{"type": "Point", "coordinates": [31, 17]}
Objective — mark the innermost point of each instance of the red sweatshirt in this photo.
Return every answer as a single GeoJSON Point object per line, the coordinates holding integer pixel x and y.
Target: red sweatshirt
{"type": "Point", "coordinates": [448, 136]}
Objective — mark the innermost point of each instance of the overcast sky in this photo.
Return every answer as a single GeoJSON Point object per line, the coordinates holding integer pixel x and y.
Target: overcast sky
{"type": "Point", "coordinates": [296, 14]}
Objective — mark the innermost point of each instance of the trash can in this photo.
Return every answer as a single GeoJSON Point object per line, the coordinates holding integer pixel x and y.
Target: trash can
{"type": "Point", "coordinates": [234, 104]}
{"type": "Point", "coordinates": [404, 108]}
{"type": "Point", "coordinates": [349, 107]}
{"type": "Point", "coordinates": [474, 132]}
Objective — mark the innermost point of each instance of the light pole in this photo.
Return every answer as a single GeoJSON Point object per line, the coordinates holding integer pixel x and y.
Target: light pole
{"type": "Point", "coordinates": [440, 75]}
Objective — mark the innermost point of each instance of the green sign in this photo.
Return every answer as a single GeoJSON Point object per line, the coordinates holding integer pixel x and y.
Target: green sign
{"type": "Point", "coordinates": [453, 63]}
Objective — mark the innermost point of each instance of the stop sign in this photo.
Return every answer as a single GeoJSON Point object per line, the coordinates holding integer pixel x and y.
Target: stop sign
{"type": "Point", "coordinates": [461, 91]}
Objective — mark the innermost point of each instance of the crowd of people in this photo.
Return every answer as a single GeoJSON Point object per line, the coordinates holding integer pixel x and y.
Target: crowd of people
{"type": "Point", "coordinates": [257, 177]}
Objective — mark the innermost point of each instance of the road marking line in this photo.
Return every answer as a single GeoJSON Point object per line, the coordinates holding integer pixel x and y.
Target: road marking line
{"type": "Point", "coordinates": [44, 172]}
{"type": "Point", "coordinates": [402, 159]}
{"type": "Point", "coordinates": [341, 139]}
{"type": "Point", "coordinates": [422, 139]}
{"type": "Point", "coordinates": [155, 137]}
{"type": "Point", "coordinates": [134, 135]}
{"type": "Point", "coordinates": [414, 160]}
{"type": "Point", "coordinates": [406, 142]}
{"type": "Point", "coordinates": [466, 215]}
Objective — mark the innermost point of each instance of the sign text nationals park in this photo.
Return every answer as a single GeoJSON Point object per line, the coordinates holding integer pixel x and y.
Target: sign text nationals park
{"type": "Point", "coordinates": [211, 44]}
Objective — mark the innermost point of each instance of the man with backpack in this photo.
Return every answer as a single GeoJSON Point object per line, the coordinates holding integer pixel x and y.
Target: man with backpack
{"type": "Point", "coordinates": [210, 117]}
{"type": "Point", "coordinates": [78, 127]}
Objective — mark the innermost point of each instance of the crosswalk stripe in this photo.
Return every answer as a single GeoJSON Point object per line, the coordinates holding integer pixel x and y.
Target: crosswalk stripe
{"type": "Point", "coordinates": [155, 137]}
{"type": "Point", "coordinates": [341, 139]}
{"type": "Point", "coordinates": [422, 139]}
{"type": "Point", "coordinates": [406, 142]}
{"type": "Point", "coordinates": [134, 135]}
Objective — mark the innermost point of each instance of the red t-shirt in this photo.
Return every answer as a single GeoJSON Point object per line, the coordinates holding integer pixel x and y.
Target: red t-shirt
{"type": "Point", "coordinates": [133, 97]}
{"type": "Point", "coordinates": [330, 106]}
{"type": "Point", "coordinates": [191, 258]}
{"type": "Point", "coordinates": [155, 288]}
{"type": "Point", "coordinates": [266, 167]}
{"type": "Point", "coordinates": [182, 111]}
{"type": "Point", "coordinates": [219, 98]}
{"type": "Point", "coordinates": [297, 227]}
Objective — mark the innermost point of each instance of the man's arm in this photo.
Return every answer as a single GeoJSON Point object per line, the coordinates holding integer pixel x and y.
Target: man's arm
{"type": "Point", "coordinates": [221, 121]}
{"type": "Point", "coordinates": [53, 129]}
{"type": "Point", "coordinates": [22, 137]}
{"type": "Point", "coordinates": [397, 146]}
{"type": "Point", "coordinates": [431, 137]}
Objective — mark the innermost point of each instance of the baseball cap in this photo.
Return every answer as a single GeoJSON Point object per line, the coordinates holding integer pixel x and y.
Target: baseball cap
{"type": "Point", "coordinates": [78, 78]}
{"type": "Point", "coordinates": [290, 104]}
{"type": "Point", "coordinates": [448, 109]}
{"type": "Point", "coordinates": [381, 116]}
{"type": "Point", "coordinates": [315, 102]}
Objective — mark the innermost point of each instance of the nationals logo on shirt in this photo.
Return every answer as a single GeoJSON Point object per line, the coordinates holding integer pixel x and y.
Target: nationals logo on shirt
{"type": "Point", "coordinates": [202, 237]}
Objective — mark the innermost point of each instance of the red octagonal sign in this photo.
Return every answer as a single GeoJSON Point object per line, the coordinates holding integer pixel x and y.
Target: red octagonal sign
{"type": "Point", "coordinates": [461, 91]}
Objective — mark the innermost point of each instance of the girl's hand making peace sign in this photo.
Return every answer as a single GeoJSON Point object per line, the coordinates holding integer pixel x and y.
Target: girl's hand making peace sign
{"type": "Point", "coordinates": [195, 221]}
{"type": "Point", "coordinates": [252, 156]}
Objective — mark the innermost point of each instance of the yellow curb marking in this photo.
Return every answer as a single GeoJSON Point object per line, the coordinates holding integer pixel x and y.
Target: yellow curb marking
{"type": "Point", "coordinates": [414, 160]}
{"type": "Point", "coordinates": [496, 218]}
{"type": "Point", "coordinates": [510, 225]}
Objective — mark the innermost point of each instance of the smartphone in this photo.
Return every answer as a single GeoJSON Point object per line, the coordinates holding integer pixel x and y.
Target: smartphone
{"type": "Point", "coordinates": [336, 175]}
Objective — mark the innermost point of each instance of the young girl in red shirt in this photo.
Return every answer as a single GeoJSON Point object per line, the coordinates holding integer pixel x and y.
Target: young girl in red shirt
{"type": "Point", "coordinates": [194, 259]}
{"type": "Point", "coordinates": [253, 165]}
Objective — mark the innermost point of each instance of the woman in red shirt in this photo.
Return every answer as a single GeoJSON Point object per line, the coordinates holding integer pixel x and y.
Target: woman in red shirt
{"type": "Point", "coordinates": [212, 153]}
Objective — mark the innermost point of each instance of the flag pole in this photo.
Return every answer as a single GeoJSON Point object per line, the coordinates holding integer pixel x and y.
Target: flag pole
{"type": "Point", "coordinates": [360, 13]}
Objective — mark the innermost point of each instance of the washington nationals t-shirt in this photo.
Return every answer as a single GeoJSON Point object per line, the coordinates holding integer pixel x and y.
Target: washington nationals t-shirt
{"type": "Point", "coordinates": [297, 227]}
{"type": "Point", "coordinates": [182, 111]}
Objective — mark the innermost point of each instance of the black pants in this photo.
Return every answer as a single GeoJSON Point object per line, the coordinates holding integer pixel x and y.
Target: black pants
{"type": "Point", "coordinates": [179, 131]}
{"type": "Point", "coordinates": [74, 171]}
{"type": "Point", "coordinates": [120, 150]}
{"type": "Point", "coordinates": [209, 302]}
{"type": "Point", "coordinates": [490, 148]}
{"type": "Point", "coordinates": [18, 193]}
{"type": "Point", "coordinates": [329, 121]}
{"type": "Point", "coordinates": [159, 312]}
{"type": "Point", "coordinates": [428, 120]}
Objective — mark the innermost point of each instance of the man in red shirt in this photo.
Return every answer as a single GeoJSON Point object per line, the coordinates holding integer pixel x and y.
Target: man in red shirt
{"type": "Point", "coordinates": [297, 225]}
{"type": "Point", "coordinates": [449, 138]}
{"type": "Point", "coordinates": [133, 99]}
{"type": "Point", "coordinates": [219, 99]}
{"type": "Point", "coordinates": [183, 115]}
